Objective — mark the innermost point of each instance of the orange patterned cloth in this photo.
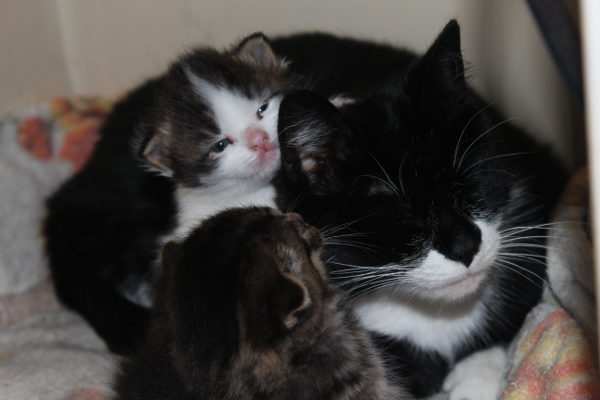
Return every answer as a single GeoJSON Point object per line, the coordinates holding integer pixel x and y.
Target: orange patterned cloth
{"type": "Point", "coordinates": [556, 363]}
{"type": "Point", "coordinates": [77, 121]}
{"type": "Point", "coordinates": [46, 352]}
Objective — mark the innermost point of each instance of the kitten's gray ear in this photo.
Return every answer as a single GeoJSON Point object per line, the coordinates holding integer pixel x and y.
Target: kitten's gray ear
{"type": "Point", "coordinates": [153, 151]}
{"type": "Point", "coordinates": [256, 49]}
{"type": "Point", "coordinates": [288, 299]}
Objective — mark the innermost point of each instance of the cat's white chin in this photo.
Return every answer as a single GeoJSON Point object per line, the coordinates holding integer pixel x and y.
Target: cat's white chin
{"type": "Point", "coordinates": [454, 289]}
{"type": "Point", "coordinates": [439, 278]}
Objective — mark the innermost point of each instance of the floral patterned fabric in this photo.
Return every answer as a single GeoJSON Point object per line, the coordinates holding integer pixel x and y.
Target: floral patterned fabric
{"type": "Point", "coordinates": [46, 352]}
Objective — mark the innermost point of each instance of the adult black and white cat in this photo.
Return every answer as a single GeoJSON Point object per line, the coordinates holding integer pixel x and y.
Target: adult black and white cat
{"type": "Point", "coordinates": [209, 128]}
{"type": "Point", "coordinates": [434, 211]}
{"type": "Point", "coordinates": [245, 310]}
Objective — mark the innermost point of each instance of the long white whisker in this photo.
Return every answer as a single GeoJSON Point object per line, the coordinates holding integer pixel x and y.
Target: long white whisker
{"type": "Point", "coordinates": [479, 137]}
{"type": "Point", "coordinates": [495, 157]}
{"type": "Point", "coordinates": [465, 129]}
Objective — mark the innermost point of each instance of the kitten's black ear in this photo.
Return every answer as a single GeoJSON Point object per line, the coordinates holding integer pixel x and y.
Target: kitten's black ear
{"type": "Point", "coordinates": [437, 80]}
{"type": "Point", "coordinates": [171, 254]}
{"type": "Point", "coordinates": [256, 49]}
{"type": "Point", "coordinates": [315, 143]}
{"type": "Point", "coordinates": [288, 298]}
{"type": "Point", "coordinates": [152, 149]}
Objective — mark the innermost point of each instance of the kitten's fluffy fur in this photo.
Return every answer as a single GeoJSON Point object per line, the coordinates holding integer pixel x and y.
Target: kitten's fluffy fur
{"type": "Point", "coordinates": [194, 141]}
{"type": "Point", "coordinates": [432, 207]}
{"type": "Point", "coordinates": [244, 310]}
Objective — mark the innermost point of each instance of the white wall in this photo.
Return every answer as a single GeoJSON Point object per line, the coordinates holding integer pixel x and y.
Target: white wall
{"type": "Point", "coordinates": [32, 66]}
{"type": "Point", "coordinates": [590, 12]}
{"type": "Point", "coordinates": [110, 45]}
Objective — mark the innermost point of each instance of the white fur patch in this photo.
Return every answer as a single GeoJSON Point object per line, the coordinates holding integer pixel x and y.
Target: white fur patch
{"type": "Point", "coordinates": [479, 376]}
{"type": "Point", "coordinates": [236, 115]}
{"type": "Point", "coordinates": [197, 204]}
{"type": "Point", "coordinates": [438, 327]}
{"type": "Point", "coordinates": [437, 304]}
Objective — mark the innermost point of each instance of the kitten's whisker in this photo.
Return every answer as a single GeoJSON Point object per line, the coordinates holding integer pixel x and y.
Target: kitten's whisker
{"type": "Point", "coordinates": [391, 183]}
{"type": "Point", "coordinates": [400, 169]}
{"type": "Point", "coordinates": [303, 122]}
{"type": "Point", "coordinates": [354, 245]}
{"type": "Point", "coordinates": [388, 184]}
{"type": "Point", "coordinates": [325, 231]}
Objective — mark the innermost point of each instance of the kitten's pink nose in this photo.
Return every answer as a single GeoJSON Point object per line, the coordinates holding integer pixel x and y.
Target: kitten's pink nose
{"type": "Point", "coordinates": [258, 140]}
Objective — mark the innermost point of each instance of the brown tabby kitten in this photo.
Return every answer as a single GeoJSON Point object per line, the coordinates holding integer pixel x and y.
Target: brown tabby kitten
{"type": "Point", "coordinates": [245, 310]}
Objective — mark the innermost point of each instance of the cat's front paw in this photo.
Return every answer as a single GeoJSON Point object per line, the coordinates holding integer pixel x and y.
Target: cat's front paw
{"type": "Point", "coordinates": [477, 377]}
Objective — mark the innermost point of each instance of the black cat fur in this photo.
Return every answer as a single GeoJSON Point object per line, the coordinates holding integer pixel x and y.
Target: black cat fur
{"type": "Point", "coordinates": [244, 310]}
{"type": "Point", "coordinates": [405, 169]}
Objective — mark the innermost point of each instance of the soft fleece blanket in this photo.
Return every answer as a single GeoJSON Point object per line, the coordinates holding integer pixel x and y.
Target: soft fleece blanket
{"type": "Point", "coordinates": [47, 352]}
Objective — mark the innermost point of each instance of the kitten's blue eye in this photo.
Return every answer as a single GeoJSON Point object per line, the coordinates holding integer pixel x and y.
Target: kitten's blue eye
{"type": "Point", "coordinates": [221, 145]}
{"type": "Point", "coordinates": [261, 110]}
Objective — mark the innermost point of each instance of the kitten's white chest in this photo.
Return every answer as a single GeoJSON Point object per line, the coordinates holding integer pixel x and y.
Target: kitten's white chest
{"type": "Point", "coordinates": [437, 328]}
{"type": "Point", "coordinates": [196, 204]}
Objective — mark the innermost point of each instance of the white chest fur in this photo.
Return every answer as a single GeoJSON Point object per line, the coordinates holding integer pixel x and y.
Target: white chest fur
{"type": "Point", "coordinates": [196, 204]}
{"type": "Point", "coordinates": [439, 327]}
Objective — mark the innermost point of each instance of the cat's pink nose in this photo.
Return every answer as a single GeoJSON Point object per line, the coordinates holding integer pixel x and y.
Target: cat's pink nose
{"type": "Point", "coordinates": [258, 140]}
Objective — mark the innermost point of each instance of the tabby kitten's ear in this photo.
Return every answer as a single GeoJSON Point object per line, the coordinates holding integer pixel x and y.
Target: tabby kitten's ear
{"type": "Point", "coordinates": [315, 143]}
{"type": "Point", "coordinates": [436, 83]}
{"type": "Point", "coordinates": [256, 49]}
{"type": "Point", "coordinates": [289, 297]}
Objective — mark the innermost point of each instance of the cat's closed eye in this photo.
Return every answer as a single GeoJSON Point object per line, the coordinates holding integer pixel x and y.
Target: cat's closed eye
{"type": "Point", "coordinates": [261, 110]}
{"type": "Point", "coordinates": [221, 145]}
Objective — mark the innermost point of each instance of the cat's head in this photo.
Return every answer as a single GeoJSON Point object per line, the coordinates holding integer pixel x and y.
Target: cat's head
{"type": "Point", "coordinates": [215, 116]}
{"type": "Point", "coordinates": [243, 284]}
{"type": "Point", "coordinates": [413, 185]}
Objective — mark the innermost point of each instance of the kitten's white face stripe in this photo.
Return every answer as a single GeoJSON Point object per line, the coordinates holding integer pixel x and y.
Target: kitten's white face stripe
{"type": "Point", "coordinates": [242, 175]}
{"type": "Point", "coordinates": [236, 116]}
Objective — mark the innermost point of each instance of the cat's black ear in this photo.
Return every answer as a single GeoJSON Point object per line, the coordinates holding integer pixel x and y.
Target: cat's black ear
{"type": "Point", "coordinates": [152, 149]}
{"type": "Point", "coordinates": [288, 299]}
{"type": "Point", "coordinates": [315, 143]}
{"type": "Point", "coordinates": [256, 49]}
{"type": "Point", "coordinates": [437, 81]}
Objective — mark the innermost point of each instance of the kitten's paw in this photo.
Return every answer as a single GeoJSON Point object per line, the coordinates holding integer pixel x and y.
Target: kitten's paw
{"type": "Point", "coordinates": [478, 377]}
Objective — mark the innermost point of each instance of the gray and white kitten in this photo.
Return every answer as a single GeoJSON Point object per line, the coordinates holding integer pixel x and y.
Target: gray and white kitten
{"type": "Point", "coordinates": [245, 310]}
{"type": "Point", "coordinates": [215, 134]}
